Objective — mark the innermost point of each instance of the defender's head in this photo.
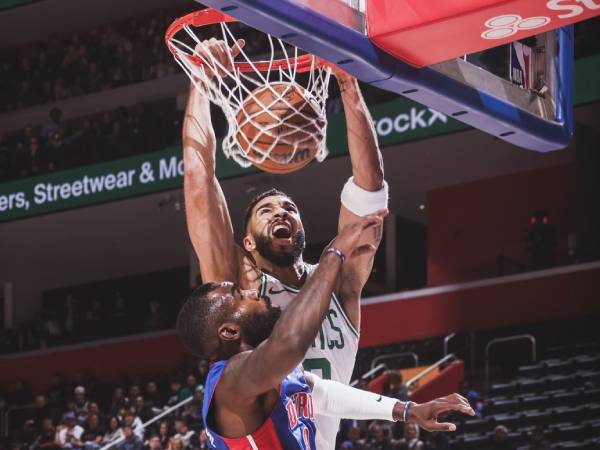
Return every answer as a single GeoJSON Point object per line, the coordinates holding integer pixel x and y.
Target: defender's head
{"type": "Point", "coordinates": [219, 320]}
{"type": "Point", "coordinates": [274, 229]}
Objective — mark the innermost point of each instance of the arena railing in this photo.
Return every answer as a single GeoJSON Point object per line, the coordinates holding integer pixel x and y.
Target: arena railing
{"type": "Point", "coordinates": [515, 337]}
{"type": "Point", "coordinates": [380, 358]}
{"type": "Point", "coordinates": [6, 415]}
{"type": "Point", "coordinates": [156, 418]}
{"type": "Point", "coordinates": [417, 377]}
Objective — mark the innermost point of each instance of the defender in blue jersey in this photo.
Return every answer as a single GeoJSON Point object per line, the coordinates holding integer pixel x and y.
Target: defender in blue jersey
{"type": "Point", "coordinates": [257, 394]}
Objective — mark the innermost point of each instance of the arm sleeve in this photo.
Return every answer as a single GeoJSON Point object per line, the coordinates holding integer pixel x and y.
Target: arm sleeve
{"type": "Point", "coordinates": [334, 399]}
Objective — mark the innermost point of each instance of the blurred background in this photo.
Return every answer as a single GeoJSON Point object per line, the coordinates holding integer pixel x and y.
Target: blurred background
{"type": "Point", "coordinates": [487, 280]}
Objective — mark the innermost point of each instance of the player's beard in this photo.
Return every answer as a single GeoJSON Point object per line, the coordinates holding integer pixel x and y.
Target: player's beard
{"type": "Point", "coordinates": [258, 327]}
{"type": "Point", "coordinates": [281, 258]}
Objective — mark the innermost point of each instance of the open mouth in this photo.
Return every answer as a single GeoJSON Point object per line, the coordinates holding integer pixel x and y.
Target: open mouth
{"type": "Point", "coordinates": [281, 230]}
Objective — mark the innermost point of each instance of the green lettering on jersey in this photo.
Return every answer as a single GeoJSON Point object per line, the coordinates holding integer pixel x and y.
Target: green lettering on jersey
{"type": "Point", "coordinates": [317, 365]}
{"type": "Point", "coordinates": [334, 343]}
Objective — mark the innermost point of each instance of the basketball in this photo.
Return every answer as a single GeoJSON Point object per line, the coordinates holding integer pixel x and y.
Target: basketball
{"type": "Point", "coordinates": [279, 128]}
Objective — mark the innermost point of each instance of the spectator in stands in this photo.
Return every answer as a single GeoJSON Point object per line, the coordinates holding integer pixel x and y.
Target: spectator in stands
{"type": "Point", "coordinates": [474, 398]}
{"type": "Point", "coordinates": [95, 409]}
{"type": "Point", "coordinates": [132, 440]}
{"type": "Point", "coordinates": [376, 438]}
{"type": "Point", "coordinates": [153, 320]}
{"type": "Point", "coordinates": [81, 404]}
{"type": "Point", "coordinates": [537, 441]}
{"type": "Point", "coordinates": [153, 443]}
{"type": "Point", "coordinates": [164, 432]}
{"type": "Point", "coordinates": [352, 441]}
{"type": "Point", "coordinates": [69, 316]}
{"type": "Point", "coordinates": [133, 421]}
{"type": "Point", "coordinates": [54, 394]}
{"type": "Point", "coordinates": [193, 410]}
{"type": "Point", "coordinates": [175, 444]}
{"type": "Point", "coordinates": [189, 438]}
{"type": "Point", "coordinates": [113, 432]}
{"type": "Point", "coordinates": [175, 392]}
{"type": "Point", "coordinates": [54, 122]}
{"type": "Point", "coordinates": [134, 391]}
{"type": "Point", "coordinates": [143, 411]}
{"type": "Point", "coordinates": [411, 439]}
{"type": "Point", "coordinates": [93, 433]}
{"type": "Point", "coordinates": [46, 440]}
{"type": "Point", "coordinates": [152, 397]}
{"type": "Point", "coordinates": [188, 390]}
{"type": "Point", "coordinates": [394, 386]}
{"type": "Point", "coordinates": [71, 407]}
{"type": "Point", "coordinates": [41, 411]}
{"type": "Point", "coordinates": [117, 403]}
{"type": "Point", "coordinates": [500, 439]}
{"type": "Point", "coordinates": [68, 436]}
{"type": "Point", "coordinates": [202, 370]}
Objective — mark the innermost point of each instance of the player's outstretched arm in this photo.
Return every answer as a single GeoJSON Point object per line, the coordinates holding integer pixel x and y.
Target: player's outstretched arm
{"type": "Point", "coordinates": [257, 371]}
{"type": "Point", "coordinates": [208, 220]}
{"type": "Point", "coordinates": [334, 399]}
{"type": "Point", "coordinates": [365, 189]}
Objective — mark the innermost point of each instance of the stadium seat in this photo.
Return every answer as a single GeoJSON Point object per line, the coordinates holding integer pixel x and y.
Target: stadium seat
{"type": "Point", "coordinates": [532, 370]}
{"type": "Point", "coordinates": [566, 398]}
{"type": "Point", "coordinates": [504, 405]}
{"type": "Point", "coordinates": [503, 388]}
{"type": "Point", "coordinates": [587, 361]}
{"type": "Point", "coordinates": [476, 425]}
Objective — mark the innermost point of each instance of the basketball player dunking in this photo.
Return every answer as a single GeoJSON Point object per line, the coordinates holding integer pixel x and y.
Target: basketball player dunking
{"type": "Point", "coordinates": [270, 259]}
{"type": "Point", "coordinates": [257, 395]}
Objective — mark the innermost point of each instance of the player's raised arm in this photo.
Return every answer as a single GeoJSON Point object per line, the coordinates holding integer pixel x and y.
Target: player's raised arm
{"type": "Point", "coordinates": [255, 372]}
{"type": "Point", "coordinates": [208, 220]}
{"type": "Point", "coordinates": [364, 193]}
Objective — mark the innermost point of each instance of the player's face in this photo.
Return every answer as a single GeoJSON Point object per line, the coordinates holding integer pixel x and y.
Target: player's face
{"type": "Point", "coordinates": [277, 230]}
{"type": "Point", "coordinates": [255, 314]}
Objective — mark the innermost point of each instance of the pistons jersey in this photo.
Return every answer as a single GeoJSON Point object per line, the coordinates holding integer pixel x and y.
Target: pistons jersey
{"type": "Point", "coordinates": [332, 355]}
{"type": "Point", "coordinates": [289, 427]}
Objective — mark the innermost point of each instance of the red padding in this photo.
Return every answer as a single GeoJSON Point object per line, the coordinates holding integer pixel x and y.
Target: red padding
{"type": "Point", "coordinates": [425, 32]}
{"type": "Point", "coordinates": [447, 382]}
{"type": "Point", "coordinates": [377, 385]}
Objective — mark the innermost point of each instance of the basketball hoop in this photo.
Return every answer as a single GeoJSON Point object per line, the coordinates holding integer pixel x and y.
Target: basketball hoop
{"type": "Point", "coordinates": [244, 83]}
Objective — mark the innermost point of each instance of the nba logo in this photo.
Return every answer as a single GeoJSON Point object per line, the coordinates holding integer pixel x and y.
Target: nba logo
{"type": "Point", "coordinates": [521, 65]}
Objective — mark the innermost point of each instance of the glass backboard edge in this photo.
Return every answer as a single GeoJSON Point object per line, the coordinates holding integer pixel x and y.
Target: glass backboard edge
{"type": "Point", "coordinates": [354, 52]}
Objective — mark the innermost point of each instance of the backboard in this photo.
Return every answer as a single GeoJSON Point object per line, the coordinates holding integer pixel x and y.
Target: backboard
{"type": "Point", "coordinates": [521, 93]}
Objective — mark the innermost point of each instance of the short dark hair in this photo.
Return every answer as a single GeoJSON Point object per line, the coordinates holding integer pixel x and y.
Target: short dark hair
{"type": "Point", "coordinates": [257, 198]}
{"type": "Point", "coordinates": [197, 319]}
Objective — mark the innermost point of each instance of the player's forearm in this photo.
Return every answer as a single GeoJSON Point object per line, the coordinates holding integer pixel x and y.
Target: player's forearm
{"type": "Point", "coordinates": [299, 324]}
{"type": "Point", "coordinates": [199, 141]}
{"type": "Point", "coordinates": [335, 399]}
{"type": "Point", "coordinates": [367, 163]}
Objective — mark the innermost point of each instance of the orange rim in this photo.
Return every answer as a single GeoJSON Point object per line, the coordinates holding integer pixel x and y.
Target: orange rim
{"type": "Point", "coordinates": [210, 16]}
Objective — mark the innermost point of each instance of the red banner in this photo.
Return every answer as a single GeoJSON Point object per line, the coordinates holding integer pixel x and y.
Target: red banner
{"type": "Point", "coordinates": [425, 32]}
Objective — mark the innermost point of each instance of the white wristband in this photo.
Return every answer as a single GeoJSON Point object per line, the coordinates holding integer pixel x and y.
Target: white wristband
{"type": "Point", "coordinates": [362, 202]}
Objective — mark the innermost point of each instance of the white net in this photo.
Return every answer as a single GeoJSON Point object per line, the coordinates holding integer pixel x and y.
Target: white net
{"type": "Point", "coordinates": [272, 104]}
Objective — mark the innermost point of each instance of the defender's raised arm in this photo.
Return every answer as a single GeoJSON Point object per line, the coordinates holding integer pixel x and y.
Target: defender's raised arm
{"type": "Point", "coordinates": [255, 372]}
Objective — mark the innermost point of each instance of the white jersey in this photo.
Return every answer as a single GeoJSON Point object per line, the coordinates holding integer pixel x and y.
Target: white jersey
{"type": "Point", "coordinates": [333, 353]}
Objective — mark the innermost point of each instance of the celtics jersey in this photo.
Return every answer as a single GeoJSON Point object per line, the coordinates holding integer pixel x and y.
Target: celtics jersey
{"type": "Point", "coordinates": [333, 353]}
